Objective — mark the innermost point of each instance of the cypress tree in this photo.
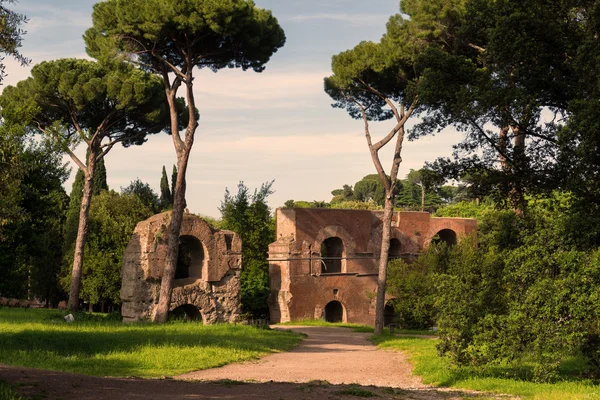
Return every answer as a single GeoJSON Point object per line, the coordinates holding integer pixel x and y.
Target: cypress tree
{"type": "Point", "coordinates": [166, 196]}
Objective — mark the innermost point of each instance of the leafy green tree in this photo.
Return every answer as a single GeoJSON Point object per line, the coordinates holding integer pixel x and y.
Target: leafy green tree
{"type": "Point", "coordinates": [366, 80]}
{"type": "Point", "coordinates": [79, 101]}
{"type": "Point", "coordinates": [144, 193]}
{"type": "Point", "coordinates": [30, 254]}
{"type": "Point", "coordinates": [11, 172]}
{"type": "Point", "coordinates": [166, 196]}
{"type": "Point", "coordinates": [113, 218]}
{"type": "Point", "coordinates": [171, 38]}
{"type": "Point", "coordinates": [11, 35]}
{"type": "Point", "coordinates": [250, 217]}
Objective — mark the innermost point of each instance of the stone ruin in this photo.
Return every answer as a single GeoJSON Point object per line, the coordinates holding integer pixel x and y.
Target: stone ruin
{"type": "Point", "coordinates": [324, 262]}
{"type": "Point", "coordinates": [207, 279]}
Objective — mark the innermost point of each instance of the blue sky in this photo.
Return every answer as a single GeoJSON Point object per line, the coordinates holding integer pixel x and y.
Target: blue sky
{"type": "Point", "coordinates": [278, 124]}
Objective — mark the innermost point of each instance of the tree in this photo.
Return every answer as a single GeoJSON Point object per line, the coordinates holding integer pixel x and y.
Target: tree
{"type": "Point", "coordinates": [72, 218]}
{"type": "Point", "coordinates": [11, 35]}
{"type": "Point", "coordinates": [144, 193]}
{"type": "Point", "coordinates": [496, 74]}
{"type": "Point", "coordinates": [113, 218]}
{"type": "Point", "coordinates": [170, 38]}
{"type": "Point", "coordinates": [250, 217]}
{"type": "Point", "coordinates": [30, 254]}
{"type": "Point", "coordinates": [73, 101]}
{"type": "Point", "coordinates": [166, 197]}
{"type": "Point", "coordinates": [426, 179]}
{"type": "Point", "coordinates": [366, 80]}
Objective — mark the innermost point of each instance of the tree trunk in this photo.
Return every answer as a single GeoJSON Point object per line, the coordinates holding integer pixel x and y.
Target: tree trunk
{"type": "Point", "coordinates": [517, 195]}
{"type": "Point", "coordinates": [388, 212]}
{"type": "Point", "coordinates": [82, 231]}
{"type": "Point", "coordinates": [161, 313]}
{"type": "Point", "coordinates": [422, 197]}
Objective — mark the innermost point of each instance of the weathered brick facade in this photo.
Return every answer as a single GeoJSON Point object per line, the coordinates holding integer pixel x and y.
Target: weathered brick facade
{"type": "Point", "coordinates": [324, 262]}
{"type": "Point", "coordinates": [208, 284]}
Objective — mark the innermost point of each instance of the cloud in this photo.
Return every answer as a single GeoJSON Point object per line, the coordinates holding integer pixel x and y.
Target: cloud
{"type": "Point", "coordinates": [352, 19]}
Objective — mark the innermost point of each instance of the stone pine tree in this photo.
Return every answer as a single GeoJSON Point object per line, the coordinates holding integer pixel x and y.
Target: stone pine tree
{"type": "Point", "coordinates": [171, 38]}
{"type": "Point", "coordinates": [83, 102]}
{"type": "Point", "coordinates": [166, 197]}
{"type": "Point", "coordinates": [374, 82]}
{"type": "Point", "coordinates": [11, 35]}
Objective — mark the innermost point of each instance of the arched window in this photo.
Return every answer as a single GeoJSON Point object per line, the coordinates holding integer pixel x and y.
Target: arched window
{"type": "Point", "coordinates": [187, 312]}
{"type": "Point", "coordinates": [395, 249]}
{"type": "Point", "coordinates": [332, 251]}
{"type": "Point", "coordinates": [447, 236]}
{"type": "Point", "coordinates": [190, 259]}
{"type": "Point", "coordinates": [334, 312]}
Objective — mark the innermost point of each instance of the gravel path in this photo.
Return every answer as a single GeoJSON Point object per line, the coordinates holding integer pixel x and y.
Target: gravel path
{"type": "Point", "coordinates": [320, 368]}
{"type": "Point", "coordinates": [335, 355]}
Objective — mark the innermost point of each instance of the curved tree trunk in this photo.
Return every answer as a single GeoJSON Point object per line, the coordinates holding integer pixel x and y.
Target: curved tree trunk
{"type": "Point", "coordinates": [182, 149]}
{"type": "Point", "coordinates": [82, 231]}
{"type": "Point", "coordinates": [388, 212]}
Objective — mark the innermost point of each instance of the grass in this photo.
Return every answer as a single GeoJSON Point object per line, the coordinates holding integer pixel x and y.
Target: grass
{"type": "Point", "coordinates": [436, 371]}
{"type": "Point", "coordinates": [103, 347]}
{"type": "Point", "coordinates": [7, 392]}
{"type": "Point", "coordinates": [354, 327]}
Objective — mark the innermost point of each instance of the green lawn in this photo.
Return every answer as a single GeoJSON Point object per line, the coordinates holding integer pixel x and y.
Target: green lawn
{"type": "Point", "coordinates": [435, 370]}
{"type": "Point", "coordinates": [103, 347]}
{"type": "Point", "coordinates": [354, 327]}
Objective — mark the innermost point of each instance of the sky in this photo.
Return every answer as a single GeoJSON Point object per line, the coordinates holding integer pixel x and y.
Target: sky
{"type": "Point", "coordinates": [254, 127]}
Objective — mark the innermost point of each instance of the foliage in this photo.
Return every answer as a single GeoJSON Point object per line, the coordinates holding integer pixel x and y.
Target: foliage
{"type": "Point", "coordinates": [11, 35]}
{"type": "Point", "coordinates": [166, 196]}
{"type": "Point", "coordinates": [32, 338]}
{"type": "Point", "coordinates": [250, 217]}
{"type": "Point", "coordinates": [410, 285]}
{"type": "Point", "coordinates": [72, 217]}
{"type": "Point", "coordinates": [144, 192]}
{"type": "Point", "coordinates": [113, 218]}
{"type": "Point", "coordinates": [527, 295]}
{"type": "Point", "coordinates": [503, 380]}
{"type": "Point", "coordinates": [30, 255]}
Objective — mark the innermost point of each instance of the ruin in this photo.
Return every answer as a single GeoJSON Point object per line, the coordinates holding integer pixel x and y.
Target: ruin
{"type": "Point", "coordinates": [207, 279]}
{"type": "Point", "coordinates": [324, 262]}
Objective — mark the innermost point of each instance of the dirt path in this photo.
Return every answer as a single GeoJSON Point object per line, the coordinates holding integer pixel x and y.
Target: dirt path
{"type": "Point", "coordinates": [321, 368]}
{"type": "Point", "coordinates": [335, 355]}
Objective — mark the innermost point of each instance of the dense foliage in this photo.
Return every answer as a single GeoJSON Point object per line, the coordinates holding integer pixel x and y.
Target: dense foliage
{"type": "Point", "coordinates": [528, 293]}
{"type": "Point", "coordinates": [249, 215]}
{"type": "Point", "coordinates": [30, 255]}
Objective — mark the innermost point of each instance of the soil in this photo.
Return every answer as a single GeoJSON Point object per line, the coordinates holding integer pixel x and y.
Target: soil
{"type": "Point", "coordinates": [330, 363]}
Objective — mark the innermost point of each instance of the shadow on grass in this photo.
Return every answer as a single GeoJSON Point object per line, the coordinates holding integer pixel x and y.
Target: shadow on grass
{"type": "Point", "coordinates": [34, 382]}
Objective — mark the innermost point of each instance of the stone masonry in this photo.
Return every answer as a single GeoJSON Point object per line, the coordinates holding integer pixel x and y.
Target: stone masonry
{"type": "Point", "coordinates": [324, 262]}
{"type": "Point", "coordinates": [207, 280]}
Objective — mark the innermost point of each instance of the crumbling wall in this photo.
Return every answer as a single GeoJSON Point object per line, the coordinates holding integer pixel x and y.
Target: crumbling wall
{"type": "Point", "coordinates": [301, 288]}
{"type": "Point", "coordinates": [213, 287]}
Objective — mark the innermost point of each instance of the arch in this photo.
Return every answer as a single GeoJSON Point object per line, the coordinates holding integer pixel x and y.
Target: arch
{"type": "Point", "coordinates": [395, 249]}
{"type": "Point", "coordinates": [190, 259]}
{"type": "Point", "coordinates": [335, 312]}
{"type": "Point", "coordinates": [332, 252]}
{"type": "Point", "coordinates": [187, 312]}
{"type": "Point", "coordinates": [389, 313]}
{"type": "Point", "coordinates": [447, 236]}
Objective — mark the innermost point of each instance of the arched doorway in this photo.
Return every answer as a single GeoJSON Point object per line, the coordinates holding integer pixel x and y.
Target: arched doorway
{"type": "Point", "coordinates": [332, 251]}
{"type": "Point", "coordinates": [395, 249]}
{"type": "Point", "coordinates": [334, 312]}
{"type": "Point", "coordinates": [190, 259]}
{"type": "Point", "coordinates": [447, 236]}
{"type": "Point", "coordinates": [186, 312]}
{"type": "Point", "coordinates": [389, 314]}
